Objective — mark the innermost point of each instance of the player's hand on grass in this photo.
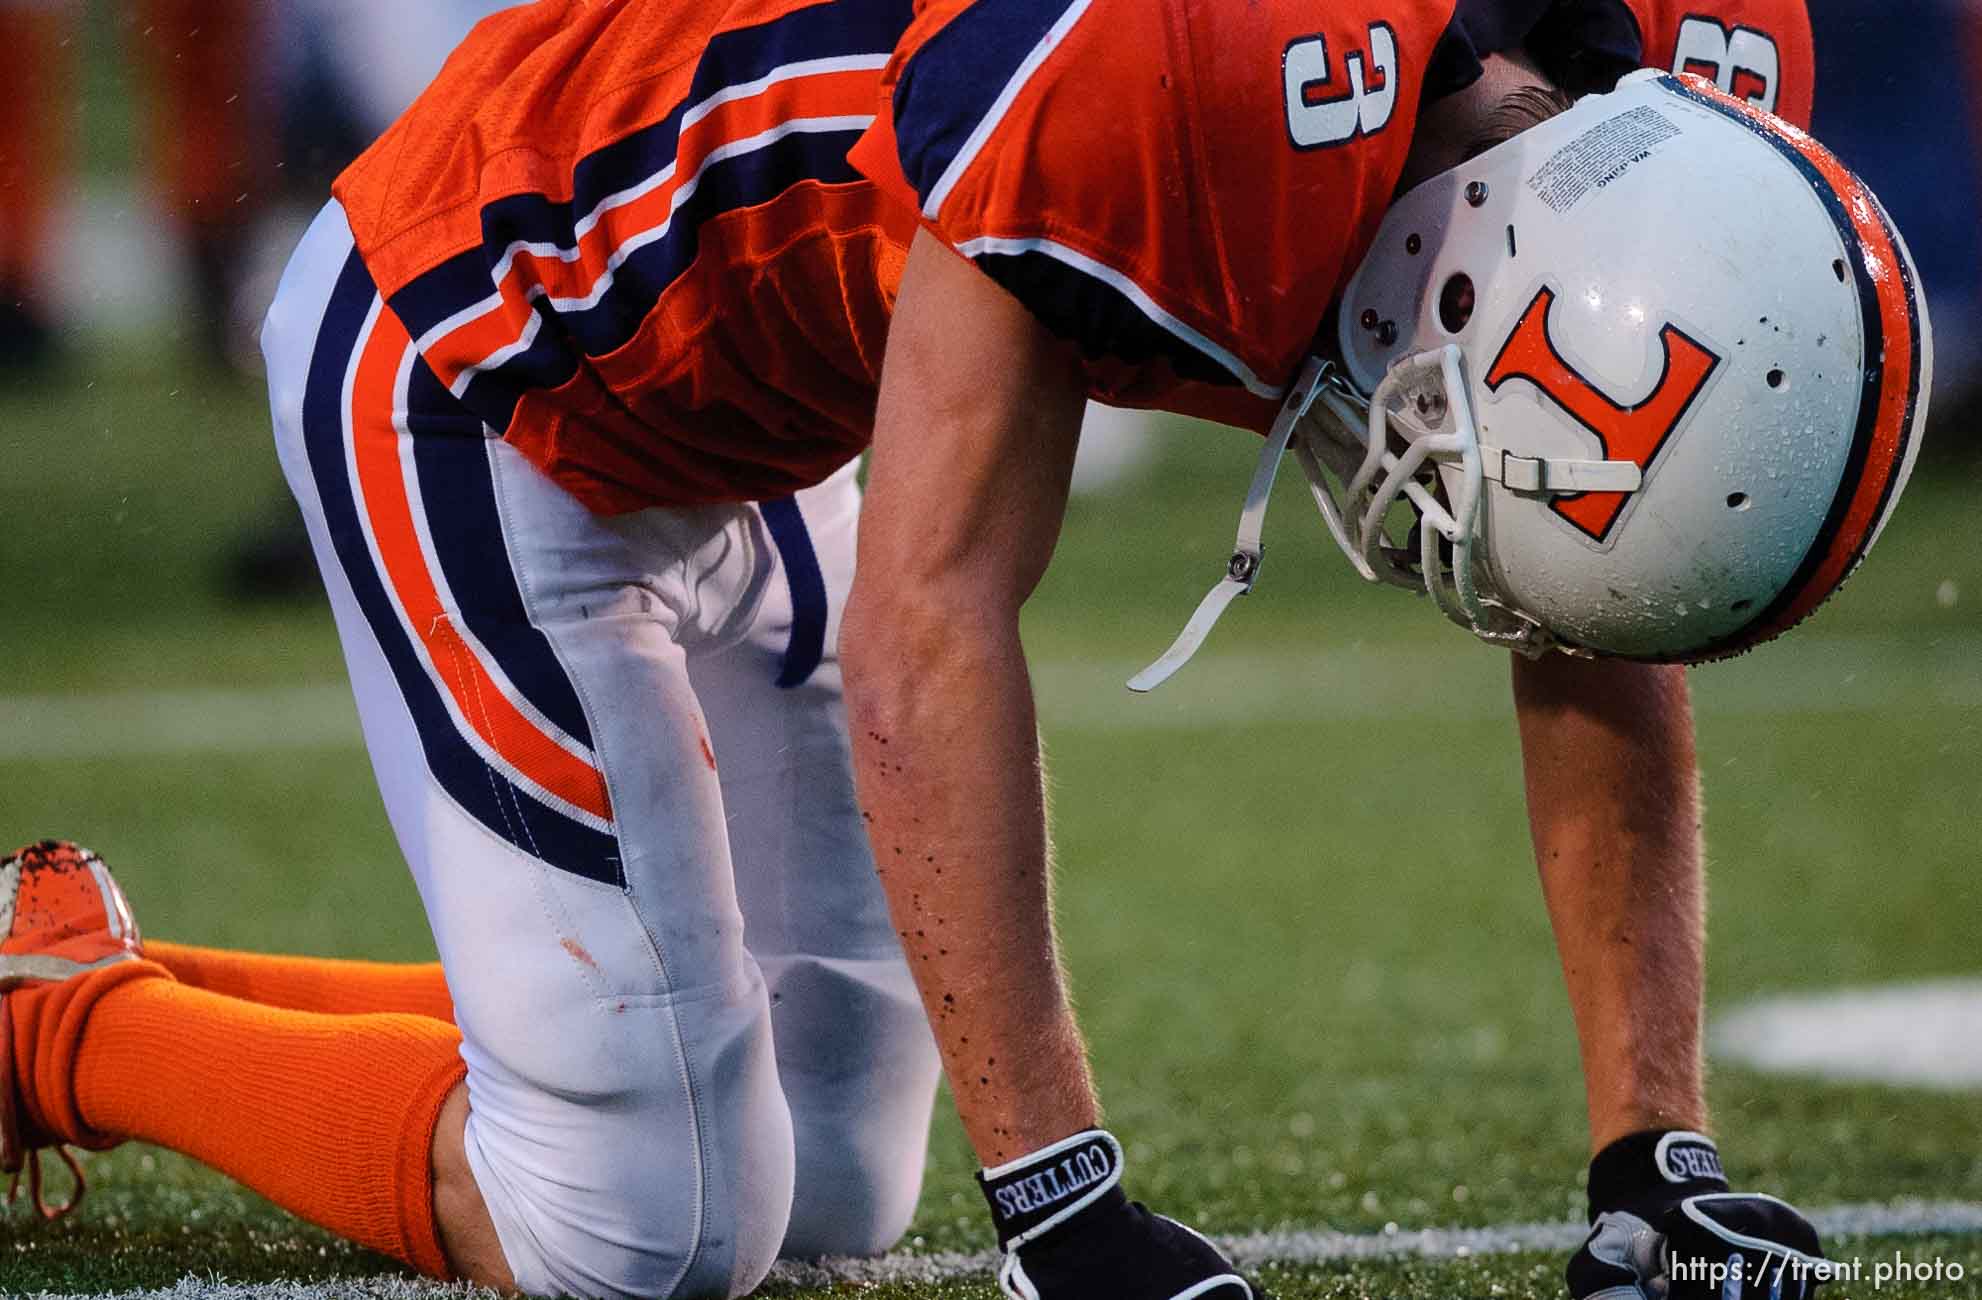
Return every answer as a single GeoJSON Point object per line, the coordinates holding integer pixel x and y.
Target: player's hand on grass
{"type": "Point", "coordinates": [1666, 1227]}
{"type": "Point", "coordinates": [1069, 1232]}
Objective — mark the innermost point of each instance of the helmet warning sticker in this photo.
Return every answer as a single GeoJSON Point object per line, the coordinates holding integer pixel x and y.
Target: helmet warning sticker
{"type": "Point", "coordinates": [1600, 156]}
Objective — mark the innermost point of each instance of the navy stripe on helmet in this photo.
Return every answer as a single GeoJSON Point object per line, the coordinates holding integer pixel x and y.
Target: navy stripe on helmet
{"type": "Point", "coordinates": [484, 793]}
{"type": "Point", "coordinates": [1914, 377]}
{"type": "Point", "coordinates": [1873, 389]}
{"type": "Point", "coordinates": [808, 590]}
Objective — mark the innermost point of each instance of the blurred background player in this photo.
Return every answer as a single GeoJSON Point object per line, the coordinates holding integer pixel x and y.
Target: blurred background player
{"type": "Point", "coordinates": [204, 144]}
{"type": "Point", "coordinates": [345, 69]}
{"type": "Point", "coordinates": [31, 40]}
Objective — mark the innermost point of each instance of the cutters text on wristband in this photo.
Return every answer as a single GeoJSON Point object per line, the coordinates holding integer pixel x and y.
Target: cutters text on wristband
{"type": "Point", "coordinates": [1034, 1193]}
{"type": "Point", "coordinates": [1684, 1157]}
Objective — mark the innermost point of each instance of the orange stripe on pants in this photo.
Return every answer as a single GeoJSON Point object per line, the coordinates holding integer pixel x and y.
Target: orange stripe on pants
{"type": "Point", "coordinates": [377, 451]}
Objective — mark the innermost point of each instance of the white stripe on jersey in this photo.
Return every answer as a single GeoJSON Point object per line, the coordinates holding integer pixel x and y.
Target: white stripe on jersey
{"type": "Point", "coordinates": [1134, 293]}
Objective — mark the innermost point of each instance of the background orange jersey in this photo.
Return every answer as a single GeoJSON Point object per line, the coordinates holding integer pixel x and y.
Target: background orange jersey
{"type": "Point", "coordinates": [1757, 50]}
{"type": "Point", "coordinates": [656, 244]}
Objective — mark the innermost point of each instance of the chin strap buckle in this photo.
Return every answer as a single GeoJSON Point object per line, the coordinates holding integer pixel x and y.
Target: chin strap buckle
{"type": "Point", "coordinates": [1240, 574]}
{"type": "Point", "coordinates": [1555, 476]}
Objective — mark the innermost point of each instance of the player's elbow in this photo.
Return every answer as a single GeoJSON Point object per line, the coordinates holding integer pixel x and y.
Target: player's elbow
{"type": "Point", "coordinates": [898, 646]}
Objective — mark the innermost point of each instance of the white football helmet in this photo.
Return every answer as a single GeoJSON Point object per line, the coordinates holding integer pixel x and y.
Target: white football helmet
{"type": "Point", "coordinates": [1649, 378]}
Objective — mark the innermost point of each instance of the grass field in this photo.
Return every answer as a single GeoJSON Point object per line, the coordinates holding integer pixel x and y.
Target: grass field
{"type": "Point", "coordinates": [1296, 894]}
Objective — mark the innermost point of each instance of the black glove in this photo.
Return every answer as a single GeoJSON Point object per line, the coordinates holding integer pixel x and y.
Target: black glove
{"type": "Point", "coordinates": [1070, 1233]}
{"type": "Point", "coordinates": [1664, 1226]}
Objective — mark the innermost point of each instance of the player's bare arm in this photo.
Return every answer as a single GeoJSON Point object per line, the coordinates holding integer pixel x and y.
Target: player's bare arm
{"type": "Point", "coordinates": [974, 441]}
{"type": "Point", "coordinates": [1613, 800]}
{"type": "Point", "coordinates": [973, 444]}
{"type": "Point", "coordinates": [1614, 805]}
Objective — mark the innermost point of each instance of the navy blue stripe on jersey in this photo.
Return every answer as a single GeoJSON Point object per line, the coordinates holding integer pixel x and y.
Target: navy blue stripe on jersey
{"type": "Point", "coordinates": [848, 28]}
{"type": "Point", "coordinates": [459, 282]}
{"type": "Point", "coordinates": [1584, 45]}
{"type": "Point", "coordinates": [740, 181]}
{"type": "Point", "coordinates": [955, 80]}
{"type": "Point", "coordinates": [481, 791]}
{"type": "Point", "coordinates": [1097, 317]}
{"type": "Point", "coordinates": [1872, 392]}
{"type": "Point", "coordinates": [808, 590]}
{"type": "Point", "coordinates": [550, 361]}
{"type": "Point", "coordinates": [731, 58]}
{"type": "Point", "coordinates": [458, 497]}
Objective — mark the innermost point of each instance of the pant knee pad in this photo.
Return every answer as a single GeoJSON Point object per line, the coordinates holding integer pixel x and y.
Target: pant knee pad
{"type": "Point", "coordinates": [674, 1184]}
{"type": "Point", "coordinates": [854, 1199]}
{"type": "Point", "coordinates": [859, 1069]}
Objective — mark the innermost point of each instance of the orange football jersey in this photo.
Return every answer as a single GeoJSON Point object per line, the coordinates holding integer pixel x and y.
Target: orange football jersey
{"type": "Point", "coordinates": [656, 245]}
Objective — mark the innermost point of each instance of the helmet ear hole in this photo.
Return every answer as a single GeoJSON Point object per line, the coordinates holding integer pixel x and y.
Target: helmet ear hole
{"type": "Point", "coordinates": [1455, 303]}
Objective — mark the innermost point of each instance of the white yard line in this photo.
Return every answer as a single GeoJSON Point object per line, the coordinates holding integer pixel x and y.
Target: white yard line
{"type": "Point", "coordinates": [1456, 683]}
{"type": "Point", "coordinates": [1292, 1246]}
{"type": "Point", "coordinates": [1321, 1245]}
{"type": "Point", "coordinates": [1921, 1035]}
{"type": "Point", "coordinates": [166, 724]}
{"type": "Point", "coordinates": [1459, 682]}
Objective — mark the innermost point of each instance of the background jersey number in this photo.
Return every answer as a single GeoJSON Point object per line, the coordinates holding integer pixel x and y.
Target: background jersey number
{"type": "Point", "coordinates": [1743, 62]}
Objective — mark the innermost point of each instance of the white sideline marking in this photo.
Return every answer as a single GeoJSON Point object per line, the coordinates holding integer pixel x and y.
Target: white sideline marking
{"type": "Point", "coordinates": [1813, 676]}
{"type": "Point", "coordinates": [1925, 1035]}
{"type": "Point", "coordinates": [1455, 682]}
{"type": "Point", "coordinates": [1319, 1246]}
{"type": "Point", "coordinates": [160, 724]}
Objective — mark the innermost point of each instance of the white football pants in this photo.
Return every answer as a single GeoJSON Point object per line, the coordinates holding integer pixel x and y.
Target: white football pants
{"type": "Point", "coordinates": [614, 754]}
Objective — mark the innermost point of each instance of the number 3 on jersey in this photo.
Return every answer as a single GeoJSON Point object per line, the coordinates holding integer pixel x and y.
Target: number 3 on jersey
{"type": "Point", "coordinates": [1324, 109]}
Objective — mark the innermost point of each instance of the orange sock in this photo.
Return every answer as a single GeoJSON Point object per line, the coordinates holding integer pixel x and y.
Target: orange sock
{"type": "Point", "coordinates": [330, 1117]}
{"type": "Point", "coordinates": [322, 984]}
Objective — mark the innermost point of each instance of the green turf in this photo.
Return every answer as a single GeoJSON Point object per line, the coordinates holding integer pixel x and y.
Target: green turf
{"type": "Point", "coordinates": [1309, 950]}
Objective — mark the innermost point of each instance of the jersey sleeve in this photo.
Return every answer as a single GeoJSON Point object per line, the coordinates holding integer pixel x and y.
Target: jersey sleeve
{"type": "Point", "coordinates": [1048, 141]}
{"type": "Point", "coordinates": [1131, 171]}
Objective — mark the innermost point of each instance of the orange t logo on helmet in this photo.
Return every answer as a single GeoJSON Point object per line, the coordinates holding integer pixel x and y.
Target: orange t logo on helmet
{"type": "Point", "coordinates": [1635, 433]}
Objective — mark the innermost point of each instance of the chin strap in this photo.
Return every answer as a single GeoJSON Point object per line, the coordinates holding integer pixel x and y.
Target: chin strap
{"type": "Point", "coordinates": [1374, 477]}
{"type": "Point", "coordinates": [1248, 552]}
